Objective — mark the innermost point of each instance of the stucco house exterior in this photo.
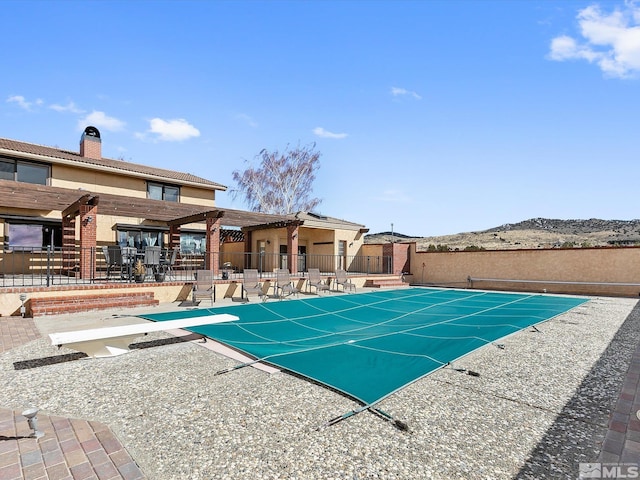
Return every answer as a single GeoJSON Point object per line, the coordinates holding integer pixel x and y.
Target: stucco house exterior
{"type": "Point", "coordinates": [79, 201]}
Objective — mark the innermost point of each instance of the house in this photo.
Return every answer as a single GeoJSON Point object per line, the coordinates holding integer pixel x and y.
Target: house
{"type": "Point", "coordinates": [76, 202]}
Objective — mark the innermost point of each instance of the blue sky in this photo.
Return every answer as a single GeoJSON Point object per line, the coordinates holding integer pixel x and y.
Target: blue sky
{"type": "Point", "coordinates": [437, 116]}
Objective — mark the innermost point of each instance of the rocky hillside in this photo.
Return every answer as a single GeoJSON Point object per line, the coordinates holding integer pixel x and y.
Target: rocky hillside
{"type": "Point", "coordinates": [533, 233]}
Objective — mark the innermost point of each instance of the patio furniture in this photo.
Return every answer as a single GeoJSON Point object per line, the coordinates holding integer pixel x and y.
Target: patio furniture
{"type": "Point", "coordinates": [251, 284]}
{"type": "Point", "coordinates": [108, 259]}
{"type": "Point", "coordinates": [284, 284]}
{"type": "Point", "coordinates": [127, 258]}
{"type": "Point", "coordinates": [342, 279]}
{"type": "Point", "coordinates": [169, 260]}
{"type": "Point", "coordinates": [152, 259]}
{"type": "Point", "coordinates": [203, 286]}
{"type": "Point", "coordinates": [315, 280]}
{"type": "Point", "coordinates": [120, 257]}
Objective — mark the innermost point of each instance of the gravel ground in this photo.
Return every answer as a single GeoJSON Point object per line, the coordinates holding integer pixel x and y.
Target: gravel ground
{"type": "Point", "coordinates": [538, 408]}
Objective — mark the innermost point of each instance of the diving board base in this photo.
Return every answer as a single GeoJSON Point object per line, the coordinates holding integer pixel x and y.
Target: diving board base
{"type": "Point", "coordinates": [113, 341]}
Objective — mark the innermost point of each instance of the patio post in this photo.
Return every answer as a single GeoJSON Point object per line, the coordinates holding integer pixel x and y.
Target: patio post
{"type": "Point", "coordinates": [88, 229]}
{"type": "Point", "coordinates": [68, 244]}
{"type": "Point", "coordinates": [292, 246]}
{"type": "Point", "coordinates": [213, 245]}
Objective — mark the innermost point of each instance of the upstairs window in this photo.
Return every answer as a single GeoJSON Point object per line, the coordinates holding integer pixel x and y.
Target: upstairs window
{"type": "Point", "coordinates": [160, 191]}
{"type": "Point", "coordinates": [21, 171]}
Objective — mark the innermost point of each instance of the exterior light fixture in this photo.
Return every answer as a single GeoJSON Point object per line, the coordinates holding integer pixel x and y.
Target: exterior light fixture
{"type": "Point", "coordinates": [32, 419]}
{"type": "Point", "coordinates": [23, 297]}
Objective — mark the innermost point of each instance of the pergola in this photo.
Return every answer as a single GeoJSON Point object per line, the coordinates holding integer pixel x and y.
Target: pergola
{"type": "Point", "coordinates": [85, 205]}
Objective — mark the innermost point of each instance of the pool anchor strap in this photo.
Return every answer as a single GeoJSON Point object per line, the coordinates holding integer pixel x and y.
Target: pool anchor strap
{"type": "Point", "coordinates": [399, 424]}
{"type": "Point", "coordinates": [463, 370]}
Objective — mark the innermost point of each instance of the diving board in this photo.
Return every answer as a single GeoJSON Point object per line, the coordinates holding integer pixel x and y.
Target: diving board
{"type": "Point", "coordinates": [112, 341]}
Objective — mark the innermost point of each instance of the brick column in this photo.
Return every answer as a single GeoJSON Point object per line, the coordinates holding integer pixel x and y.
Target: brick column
{"type": "Point", "coordinates": [68, 245]}
{"type": "Point", "coordinates": [88, 228]}
{"type": "Point", "coordinates": [292, 247]}
{"type": "Point", "coordinates": [212, 255]}
{"type": "Point", "coordinates": [400, 259]}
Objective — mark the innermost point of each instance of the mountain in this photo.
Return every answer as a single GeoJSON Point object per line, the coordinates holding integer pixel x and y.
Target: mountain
{"type": "Point", "coordinates": [532, 233]}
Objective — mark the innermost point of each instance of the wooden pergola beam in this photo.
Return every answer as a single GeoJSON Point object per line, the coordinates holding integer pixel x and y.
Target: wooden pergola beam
{"type": "Point", "coordinates": [280, 224]}
{"type": "Point", "coordinates": [197, 217]}
{"type": "Point", "coordinates": [73, 209]}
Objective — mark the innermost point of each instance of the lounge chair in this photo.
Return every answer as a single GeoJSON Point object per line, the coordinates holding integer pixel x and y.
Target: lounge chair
{"type": "Point", "coordinates": [252, 285]}
{"type": "Point", "coordinates": [316, 281]}
{"type": "Point", "coordinates": [203, 288]}
{"type": "Point", "coordinates": [284, 284]}
{"type": "Point", "coordinates": [342, 279]}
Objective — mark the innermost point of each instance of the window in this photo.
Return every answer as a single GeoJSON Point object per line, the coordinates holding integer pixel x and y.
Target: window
{"type": "Point", "coordinates": [21, 171]}
{"type": "Point", "coordinates": [32, 236]}
{"type": "Point", "coordinates": [139, 238]}
{"type": "Point", "coordinates": [192, 243]}
{"type": "Point", "coordinates": [159, 191]}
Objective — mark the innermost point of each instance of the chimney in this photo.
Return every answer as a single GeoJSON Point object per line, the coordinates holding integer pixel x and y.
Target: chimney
{"type": "Point", "coordinates": [90, 143]}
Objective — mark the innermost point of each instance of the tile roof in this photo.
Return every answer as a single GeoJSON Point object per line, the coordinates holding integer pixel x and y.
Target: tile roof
{"type": "Point", "coordinates": [323, 221]}
{"type": "Point", "coordinates": [116, 165]}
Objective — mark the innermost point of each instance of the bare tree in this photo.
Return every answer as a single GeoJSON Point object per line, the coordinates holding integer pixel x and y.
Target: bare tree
{"type": "Point", "coordinates": [282, 182]}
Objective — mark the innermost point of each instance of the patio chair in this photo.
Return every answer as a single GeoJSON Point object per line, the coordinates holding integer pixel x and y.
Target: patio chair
{"type": "Point", "coordinates": [203, 287]}
{"type": "Point", "coordinates": [342, 279]}
{"type": "Point", "coordinates": [152, 259]}
{"type": "Point", "coordinates": [127, 259]}
{"type": "Point", "coordinates": [284, 284]}
{"type": "Point", "coordinates": [117, 260]}
{"type": "Point", "coordinates": [252, 285]}
{"type": "Point", "coordinates": [316, 281]}
{"type": "Point", "coordinates": [169, 261]}
{"type": "Point", "coordinates": [108, 259]}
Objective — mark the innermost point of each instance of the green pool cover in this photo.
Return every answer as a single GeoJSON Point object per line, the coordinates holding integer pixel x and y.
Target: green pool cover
{"type": "Point", "coordinates": [370, 345]}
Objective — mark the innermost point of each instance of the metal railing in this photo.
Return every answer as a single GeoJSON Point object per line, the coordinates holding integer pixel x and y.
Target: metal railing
{"type": "Point", "coordinates": [69, 266]}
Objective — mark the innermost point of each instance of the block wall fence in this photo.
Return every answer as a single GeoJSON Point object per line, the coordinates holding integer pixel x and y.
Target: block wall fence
{"type": "Point", "coordinates": [592, 266]}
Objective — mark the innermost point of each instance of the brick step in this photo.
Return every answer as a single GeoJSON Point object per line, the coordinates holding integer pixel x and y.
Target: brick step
{"type": "Point", "coordinates": [67, 304]}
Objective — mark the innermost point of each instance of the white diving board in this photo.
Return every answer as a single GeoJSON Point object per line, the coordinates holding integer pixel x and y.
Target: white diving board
{"type": "Point", "coordinates": [111, 341]}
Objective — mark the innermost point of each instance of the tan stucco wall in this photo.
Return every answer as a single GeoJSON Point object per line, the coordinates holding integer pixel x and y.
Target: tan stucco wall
{"type": "Point", "coordinates": [603, 265]}
{"type": "Point", "coordinates": [102, 182]}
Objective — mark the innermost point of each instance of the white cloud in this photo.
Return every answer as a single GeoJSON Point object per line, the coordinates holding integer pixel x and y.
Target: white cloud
{"type": "Point", "coordinates": [23, 103]}
{"type": "Point", "coordinates": [101, 120]}
{"type": "Point", "coordinates": [69, 107]}
{"type": "Point", "coordinates": [321, 132]}
{"type": "Point", "coordinates": [172, 130]}
{"type": "Point", "coordinates": [397, 92]}
{"type": "Point", "coordinates": [609, 40]}
{"type": "Point", "coordinates": [247, 119]}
